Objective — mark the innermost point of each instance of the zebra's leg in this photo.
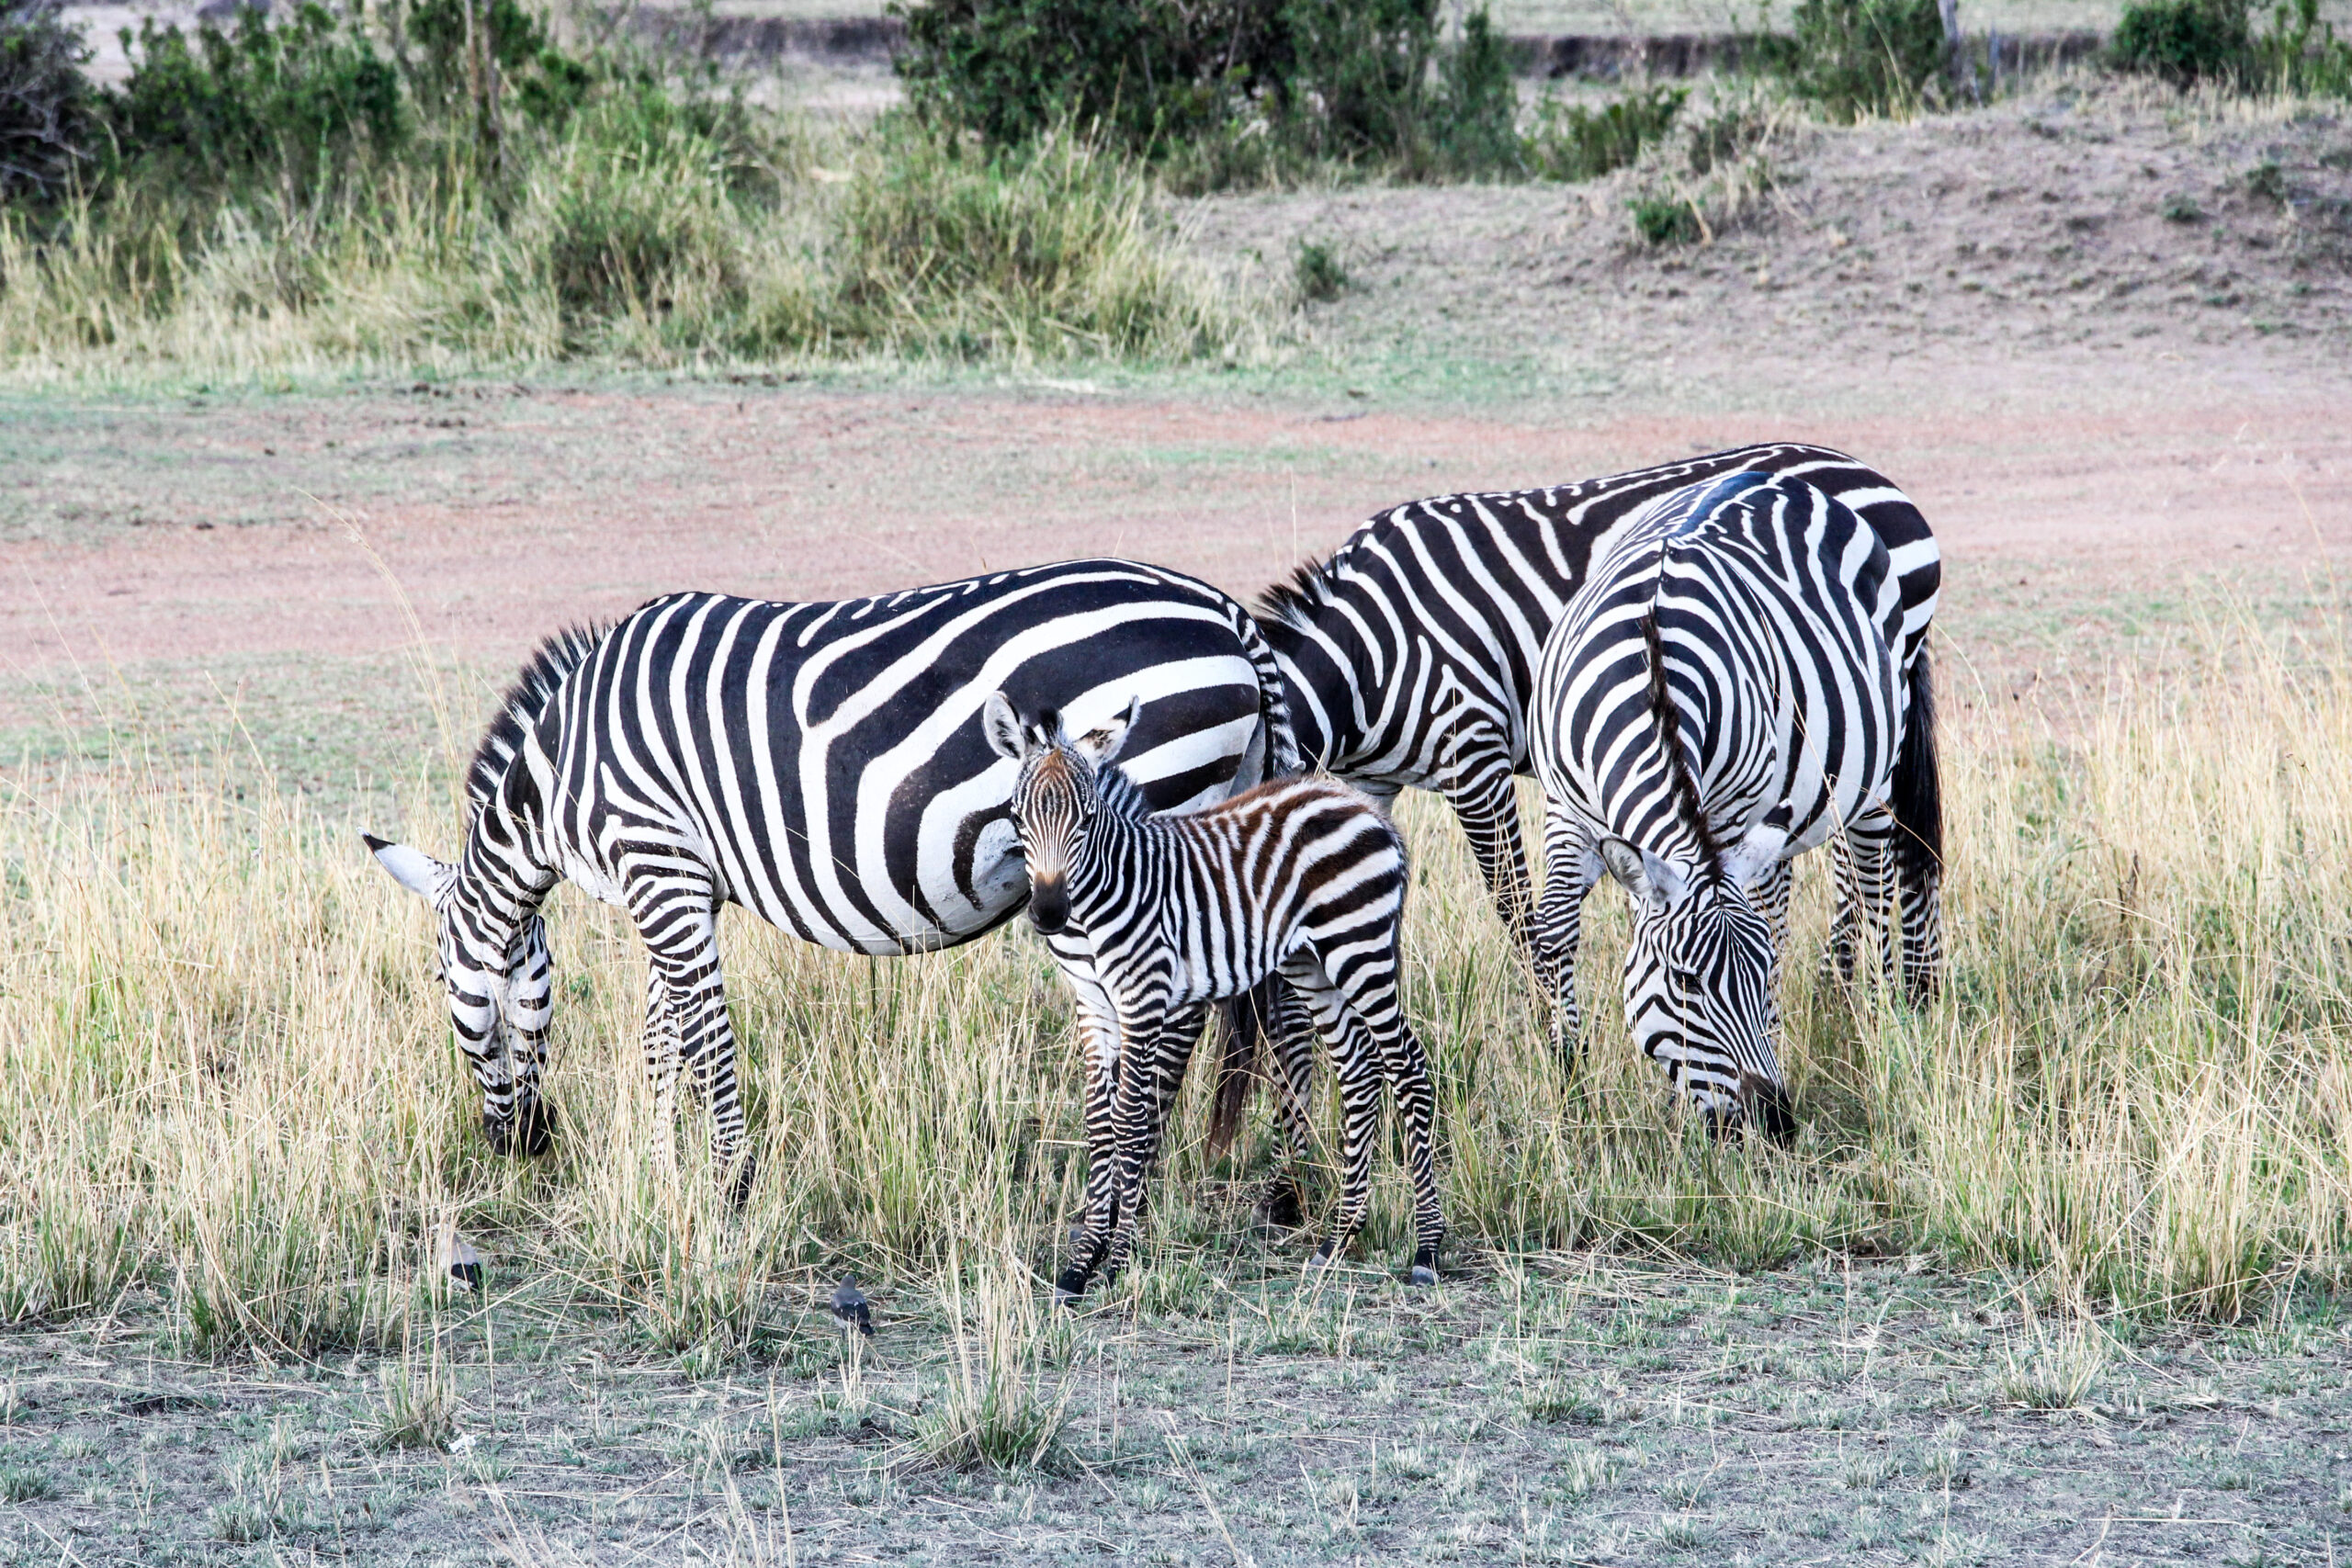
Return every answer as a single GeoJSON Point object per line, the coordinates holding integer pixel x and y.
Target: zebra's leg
{"type": "Point", "coordinates": [1294, 1042]}
{"type": "Point", "coordinates": [529, 1008]}
{"type": "Point", "coordinates": [1356, 1069]}
{"type": "Point", "coordinates": [1160, 1070]}
{"type": "Point", "coordinates": [1480, 790]}
{"type": "Point", "coordinates": [1141, 1016]}
{"type": "Point", "coordinates": [1367, 991]}
{"type": "Point", "coordinates": [678, 916]}
{"type": "Point", "coordinates": [1865, 865]}
{"type": "Point", "coordinates": [1571, 866]}
{"type": "Point", "coordinates": [1098, 1032]}
{"type": "Point", "coordinates": [1771, 896]}
{"type": "Point", "coordinates": [1921, 875]}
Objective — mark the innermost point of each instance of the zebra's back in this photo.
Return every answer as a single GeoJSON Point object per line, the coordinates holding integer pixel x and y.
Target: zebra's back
{"type": "Point", "coordinates": [824, 761]}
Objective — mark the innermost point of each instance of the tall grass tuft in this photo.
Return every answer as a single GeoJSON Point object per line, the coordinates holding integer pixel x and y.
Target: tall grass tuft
{"type": "Point", "coordinates": [229, 1077]}
{"type": "Point", "coordinates": [996, 1412]}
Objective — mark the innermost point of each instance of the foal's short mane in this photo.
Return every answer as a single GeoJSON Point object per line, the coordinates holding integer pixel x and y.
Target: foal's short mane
{"type": "Point", "coordinates": [523, 703]}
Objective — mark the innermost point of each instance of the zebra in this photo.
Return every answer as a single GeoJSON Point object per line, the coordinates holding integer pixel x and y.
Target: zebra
{"type": "Point", "coordinates": [1302, 877]}
{"type": "Point", "coordinates": [1408, 657]}
{"type": "Point", "coordinates": [1410, 654]}
{"type": "Point", "coordinates": [1725, 694]}
{"type": "Point", "coordinates": [821, 765]}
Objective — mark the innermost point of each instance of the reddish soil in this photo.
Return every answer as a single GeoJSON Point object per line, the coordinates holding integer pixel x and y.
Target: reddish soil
{"type": "Point", "coordinates": [545, 508]}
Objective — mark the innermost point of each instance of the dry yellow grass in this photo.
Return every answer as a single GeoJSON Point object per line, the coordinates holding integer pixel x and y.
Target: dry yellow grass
{"type": "Point", "coordinates": [228, 1073]}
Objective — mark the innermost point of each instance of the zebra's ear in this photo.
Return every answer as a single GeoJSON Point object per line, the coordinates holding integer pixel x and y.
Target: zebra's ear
{"type": "Point", "coordinates": [1757, 853]}
{"type": "Point", "coordinates": [1003, 727]}
{"type": "Point", "coordinates": [413, 869]}
{"type": "Point", "coordinates": [1656, 882]}
{"type": "Point", "coordinates": [1100, 746]}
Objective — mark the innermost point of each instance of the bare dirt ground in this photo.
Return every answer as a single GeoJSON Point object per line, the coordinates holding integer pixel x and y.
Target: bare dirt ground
{"type": "Point", "coordinates": [2104, 462]}
{"type": "Point", "coordinates": [1581, 1410]}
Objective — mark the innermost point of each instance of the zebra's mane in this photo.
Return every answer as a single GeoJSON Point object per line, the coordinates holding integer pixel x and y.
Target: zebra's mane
{"type": "Point", "coordinates": [523, 703]}
{"type": "Point", "coordinates": [1681, 780]}
{"type": "Point", "coordinates": [1292, 603]}
{"type": "Point", "coordinates": [1120, 795]}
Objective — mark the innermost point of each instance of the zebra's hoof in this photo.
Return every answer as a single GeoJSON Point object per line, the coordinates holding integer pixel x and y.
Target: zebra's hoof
{"type": "Point", "coordinates": [739, 1192]}
{"type": "Point", "coordinates": [1069, 1287]}
{"type": "Point", "coordinates": [1321, 1261]}
{"type": "Point", "coordinates": [528, 1132]}
{"type": "Point", "coordinates": [1422, 1274]}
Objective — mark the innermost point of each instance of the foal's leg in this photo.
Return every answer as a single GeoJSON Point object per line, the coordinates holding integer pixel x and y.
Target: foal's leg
{"type": "Point", "coordinates": [1157, 1074]}
{"type": "Point", "coordinates": [1368, 992]}
{"type": "Point", "coordinates": [1355, 1064]}
{"type": "Point", "coordinates": [1098, 1031]}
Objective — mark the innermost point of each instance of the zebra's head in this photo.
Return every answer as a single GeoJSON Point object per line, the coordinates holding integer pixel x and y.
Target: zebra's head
{"type": "Point", "coordinates": [500, 996]}
{"type": "Point", "coordinates": [1698, 978]}
{"type": "Point", "coordinates": [1057, 794]}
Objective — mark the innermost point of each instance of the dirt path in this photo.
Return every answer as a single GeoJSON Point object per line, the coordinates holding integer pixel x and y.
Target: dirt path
{"type": "Point", "coordinates": [180, 532]}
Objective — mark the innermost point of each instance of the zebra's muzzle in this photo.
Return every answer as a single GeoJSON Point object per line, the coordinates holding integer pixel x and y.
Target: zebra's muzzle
{"type": "Point", "coordinates": [1767, 1107]}
{"type": "Point", "coordinates": [1049, 906]}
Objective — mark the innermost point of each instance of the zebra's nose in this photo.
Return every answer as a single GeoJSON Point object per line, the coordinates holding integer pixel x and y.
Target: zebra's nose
{"type": "Point", "coordinates": [1049, 906]}
{"type": "Point", "coordinates": [1768, 1106]}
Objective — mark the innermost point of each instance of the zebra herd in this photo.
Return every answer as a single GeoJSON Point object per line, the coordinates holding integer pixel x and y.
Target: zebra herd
{"type": "Point", "coordinates": [1712, 666]}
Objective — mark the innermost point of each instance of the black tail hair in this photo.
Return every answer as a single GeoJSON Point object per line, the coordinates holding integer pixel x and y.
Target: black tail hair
{"type": "Point", "coordinates": [1246, 1018]}
{"type": "Point", "coordinates": [1917, 786]}
{"type": "Point", "coordinates": [1669, 718]}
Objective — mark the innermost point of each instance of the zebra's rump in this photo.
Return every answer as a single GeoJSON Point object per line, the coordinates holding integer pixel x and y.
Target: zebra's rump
{"type": "Point", "coordinates": [1779, 617]}
{"type": "Point", "coordinates": [824, 764]}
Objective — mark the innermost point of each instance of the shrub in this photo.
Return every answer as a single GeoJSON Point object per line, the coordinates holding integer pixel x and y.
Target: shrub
{"type": "Point", "coordinates": [1478, 110]}
{"type": "Point", "coordinates": [1042, 249]}
{"type": "Point", "coordinates": [1139, 72]}
{"type": "Point", "coordinates": [2183, 41]}
{"type": "Point", "coordinates": [1664, 219]}
{"type": "Point", "coordinates": [1229, 90]}
{"type": "Point", "coordinates": [1318, 273]}
{"type": "Point", "coordinates": [46, 103]}
{"type": "Point", "coordinates": [1858, 57]}
{"type": "Point", "coordinates": [2301, 55]}
{"type": "Point", "coordinates": [296, 106]}
{"type": "Point", "coordinates": [1571, 142]}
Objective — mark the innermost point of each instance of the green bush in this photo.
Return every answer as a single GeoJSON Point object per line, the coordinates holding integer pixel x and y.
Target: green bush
{"type": "Point", "coordinates": [1224, 91]}
{"type": "Point", "coordinates": [1139, 72]}
{"type": "Point", "coordinates": [2301, 55]}
{"type": "Point", "coordinates": [2184, 41]}
{"type": "Point", "coordinates": [1045, 249]}
{"type": "Point", "coordinates": [299, 105]}
{"type": "Point", "coordinates": [46, 103]}
{"type": "Point", "coordinates": [1662, 219]}
{"type": "Point", "coordinates": [1858, 57]}
{"type": "Point", "coordinates": [1318, 274]}
{"type": "Point", "coordinates": [1571, 142]}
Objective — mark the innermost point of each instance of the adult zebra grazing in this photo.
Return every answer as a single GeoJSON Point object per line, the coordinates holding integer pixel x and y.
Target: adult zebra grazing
{"type": "Point", "coordinates": [821, 765]}
{"type": "Point", "coordinates": [1410, 654]}
{"type": "Point", "coordinates": [1726, 695]}
{"type": "Point", "coordinates": [1300, 877]}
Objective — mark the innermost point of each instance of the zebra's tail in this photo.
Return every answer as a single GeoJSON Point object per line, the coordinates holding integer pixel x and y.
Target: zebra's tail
{"type": "Point", "coordinates": [1919, 826]}
{"type": "Point", "coordinates": [1273, 699]}
{"type": "Point", "coordinates": [1237, 1070]}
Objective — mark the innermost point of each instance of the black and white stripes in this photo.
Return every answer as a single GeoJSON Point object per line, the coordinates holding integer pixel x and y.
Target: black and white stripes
{"type": "Point", "coordinates": [1725, 694]}
{"type": "Point", "coordinates": [821, 765]}
{"type": "Point", "coordinates": [1301, 877]}
{"type": "Point", "coordinates": [1410, 653]}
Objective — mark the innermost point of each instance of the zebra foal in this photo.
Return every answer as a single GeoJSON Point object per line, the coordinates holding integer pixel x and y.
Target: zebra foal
{"type": "Point", "coordinates": [1302, 878]}
{"type": "Point", "coordinates": [1726, 693]}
